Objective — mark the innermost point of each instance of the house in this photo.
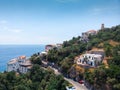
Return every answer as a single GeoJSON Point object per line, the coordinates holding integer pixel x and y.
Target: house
{"type": "Point", "coordinates": [25, 67]}
{"type": "Point", "coordinates": [85, 35]}
{"type": "Point", "coordinates": [12, 65]}
{"type": "Point", "coordinates": [49, 47]}
{"type": "Point", "coordinates": [58, 46]}
{"type": "Point", "coordinates": [99, 52]}
{"type": "Point", "coordinates": [21, 59]}
{"type": "Point", "coordinates": [90, 59]}
{"type": "Point", "coordinates": [20, 64]}
{"type": "Point", "coordinates": [91, 32]}
{"type": "Point", "coordinates": [43, 53]}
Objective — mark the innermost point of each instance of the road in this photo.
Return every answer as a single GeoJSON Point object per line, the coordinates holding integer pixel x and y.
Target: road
{"type": "Point", "coordinates": [75, 84]}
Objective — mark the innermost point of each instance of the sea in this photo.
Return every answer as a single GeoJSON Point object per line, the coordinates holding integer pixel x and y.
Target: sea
{"type": "Point", "coordinates": [8, 52]}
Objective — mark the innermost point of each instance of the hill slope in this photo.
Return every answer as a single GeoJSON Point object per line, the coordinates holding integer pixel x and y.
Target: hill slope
{"type": "Point", "coordinates": [107, 39]}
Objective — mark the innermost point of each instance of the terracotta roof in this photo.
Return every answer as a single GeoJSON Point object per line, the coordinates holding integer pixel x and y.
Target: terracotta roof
{"type": "Point", "coordinates": [91, 31]}
{"type": "Point", "coordinates": [22, 57]}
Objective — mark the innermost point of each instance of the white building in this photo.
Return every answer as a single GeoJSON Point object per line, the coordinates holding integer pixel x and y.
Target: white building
{"type": "Point", "coordinates": [43, 53]}
{"type": "Point", "coordinates": [12, 65]}
{"type": "Point", "coordinates": [25, 67]}
{"type": "Point", "coordinates": [17, 63]}
{"type": "Point", "coordinates": [90, 59]}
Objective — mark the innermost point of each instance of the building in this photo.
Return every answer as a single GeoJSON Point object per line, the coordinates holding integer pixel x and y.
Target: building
{"type": "Point", "coordinates": [99, 52]}
{"type": "Point", "coordinates": [51, 46]}
{"type": "Point", "coordinates": [17, 63]}
{"type": "Point", "coordinates": [90, 59]}
{"type": "Point", "coordinates": [85, 35]}
{"type": "Point", "coordinates": [102, 26]}
{"type": "Point", "coordinates": [43, 53]}
{"type": "Point", "coordinates": [58, 46]}
{"type": "Point", "coordinates": [12, 65]}
{"type": "Point", "coordinates": [91, 32]}
{"type": "Point", "coordinates": [25, 67]}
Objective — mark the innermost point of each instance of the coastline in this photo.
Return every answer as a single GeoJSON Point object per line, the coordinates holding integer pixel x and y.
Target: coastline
{"type": "Point", "coordinates": [8, 52]}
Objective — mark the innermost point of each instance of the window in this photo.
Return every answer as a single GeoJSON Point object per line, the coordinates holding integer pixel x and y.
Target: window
{"type": "Point", "coordinates": [91, 63]}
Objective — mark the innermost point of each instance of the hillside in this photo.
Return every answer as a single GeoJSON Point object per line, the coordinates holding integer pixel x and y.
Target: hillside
{"type": "Point", "coordinates": [97, 78]}
{"type": "Point", "coordinates": [107, 39]}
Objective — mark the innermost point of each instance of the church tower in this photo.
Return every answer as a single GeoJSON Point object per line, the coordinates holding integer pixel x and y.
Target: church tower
{"type": "Point", "coordinates": [102, 26]}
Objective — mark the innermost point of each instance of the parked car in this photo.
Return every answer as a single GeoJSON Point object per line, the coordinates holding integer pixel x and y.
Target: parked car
{"type": "Point", "coordinates": [70, 88]}
{"type": "Point", "coordinates": [81, 82]}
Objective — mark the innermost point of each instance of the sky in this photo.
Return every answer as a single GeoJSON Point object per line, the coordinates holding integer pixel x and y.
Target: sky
{"type": "Point", "coordinates": [53, 21]}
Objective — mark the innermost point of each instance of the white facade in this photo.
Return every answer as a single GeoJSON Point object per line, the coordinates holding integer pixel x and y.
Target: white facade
{"type": "Point", "coordinates": [90, 59]}
{"type": "Point", "coordinates": [43, 53]}
{"type": "Point", "coordinates": [15, 64]}
{"type": "Point", "coordinates": [25, 67]}
{"type": "Point", "coordinates": [12, 65]}
{"type": "Point", "coordinates": [84, 36]}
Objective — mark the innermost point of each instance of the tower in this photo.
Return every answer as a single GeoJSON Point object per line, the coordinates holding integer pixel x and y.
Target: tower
{"type": "Point", "coordinates": [102, 26]}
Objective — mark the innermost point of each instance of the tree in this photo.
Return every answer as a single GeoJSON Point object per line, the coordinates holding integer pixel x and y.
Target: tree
{"type": "Point", "coordinates": [108, 51]}
{"type": "Point", "coordinates": [21, 87]}
{"type": "Point", "coordinates": [36, 60]}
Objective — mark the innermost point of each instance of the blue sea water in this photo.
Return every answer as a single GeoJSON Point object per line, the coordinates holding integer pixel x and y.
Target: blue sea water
{"type": "Point", "coordinates": [7, 52]}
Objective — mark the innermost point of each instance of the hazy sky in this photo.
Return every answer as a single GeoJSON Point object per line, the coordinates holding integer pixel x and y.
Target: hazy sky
{"type": "Point", "coordinates": [53, 21]}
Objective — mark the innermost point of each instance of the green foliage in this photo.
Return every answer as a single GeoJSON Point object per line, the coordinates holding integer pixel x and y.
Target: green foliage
{"type": "Point", "coordinates": [36, 59]}
{"type": "Point", "coordinates": [36, 79]}
{"type": "Point", "coordinates": [101, 76]}
{"type": "Point", "coordinates": [64, 57]}
{"type": "Point", "coordinates": [105, 35]}
{"type": "Point", "coordinates": [116, 87]}
{"type": "Point", "coordinates": [40, 79]}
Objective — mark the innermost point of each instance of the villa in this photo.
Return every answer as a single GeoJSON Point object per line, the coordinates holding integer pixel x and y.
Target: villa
{"type": "Point", "coordinates": [12, 65]}
{"type": "Point", "coordinates": [20, 64]}
{"type": "Point", "coordinates": [92, 60]}
{"type": "Point", "coordinates": [25, 67]}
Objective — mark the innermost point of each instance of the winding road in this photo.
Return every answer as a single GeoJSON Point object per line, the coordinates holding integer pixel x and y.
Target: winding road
{"type": "Point", "coordinates": [75, 84]}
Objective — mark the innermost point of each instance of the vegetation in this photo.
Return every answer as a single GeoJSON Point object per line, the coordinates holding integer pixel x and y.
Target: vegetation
{"type": "Point", "coordinates": [101, 78]}
{"type": "Point", "coordinates": [64, 57]}
{"type": "Point", "coordinates": [36, 79]}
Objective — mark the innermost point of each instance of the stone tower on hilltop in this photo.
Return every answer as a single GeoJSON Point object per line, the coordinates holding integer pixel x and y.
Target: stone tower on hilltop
{"type": "Point", "coordinates": [102, 26]}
